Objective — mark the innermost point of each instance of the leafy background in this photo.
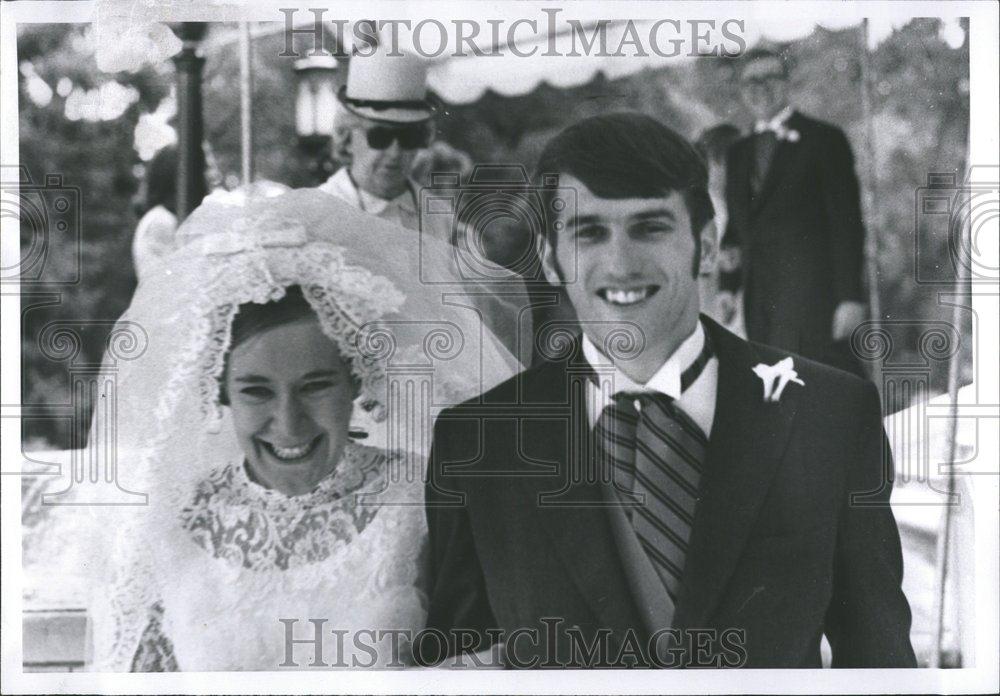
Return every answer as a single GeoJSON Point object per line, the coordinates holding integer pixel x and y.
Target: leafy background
{"type": "Point", "coordinates": [920, 122]}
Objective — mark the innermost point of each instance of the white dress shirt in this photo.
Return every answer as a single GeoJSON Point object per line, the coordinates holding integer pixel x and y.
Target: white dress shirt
{"type": "Point", "coordinates": [776, 123]}
{"type": "Point", "coordinates": [402, 209]}
{"type": "Point", "coordinates": [698, 401]}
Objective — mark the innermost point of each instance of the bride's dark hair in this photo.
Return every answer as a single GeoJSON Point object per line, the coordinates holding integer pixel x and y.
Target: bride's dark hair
{"type": "Point", "coordinates": [253, 318]}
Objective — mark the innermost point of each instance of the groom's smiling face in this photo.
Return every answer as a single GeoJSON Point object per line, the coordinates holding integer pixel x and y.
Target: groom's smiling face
{"type": "Point", "coordinates": [635, 266]}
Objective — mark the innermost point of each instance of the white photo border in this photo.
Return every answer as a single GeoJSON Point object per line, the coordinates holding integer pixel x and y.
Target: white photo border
{"type": "Point", "coordinates": [984, 128]}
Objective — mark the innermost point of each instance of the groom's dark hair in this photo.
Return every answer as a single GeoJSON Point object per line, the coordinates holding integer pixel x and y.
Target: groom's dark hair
{"type": "Point", "coordinates": [627, 155]}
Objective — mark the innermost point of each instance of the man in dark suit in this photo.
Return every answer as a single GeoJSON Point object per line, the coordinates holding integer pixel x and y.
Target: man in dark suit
{"type": "Point", "coordinates": [660, 492]}
{"type": "Point", "coordinates": [795, 216]}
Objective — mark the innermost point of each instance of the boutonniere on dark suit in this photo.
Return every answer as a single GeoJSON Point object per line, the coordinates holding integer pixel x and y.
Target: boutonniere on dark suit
{"type": "Point", "coordinates": [777, 551]}
{"type": "Point", "coordinates": [776, 377]}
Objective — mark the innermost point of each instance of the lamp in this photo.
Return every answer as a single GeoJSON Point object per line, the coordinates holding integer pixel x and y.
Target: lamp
{"type": "Point", "coordinates": [315, 110]}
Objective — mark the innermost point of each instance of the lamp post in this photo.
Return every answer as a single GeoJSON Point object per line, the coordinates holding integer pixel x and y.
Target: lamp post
{"type": "Point", "coordinates": [190, 155]}
{"type": "Point", "coordinates": [315, 111]}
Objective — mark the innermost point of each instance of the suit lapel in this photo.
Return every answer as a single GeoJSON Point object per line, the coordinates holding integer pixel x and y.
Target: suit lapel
{"type": "Point", "coordinates": [746, 445]}
{"type": "Point", "coordinates": [783, 155]}
{"type": "Point", "coordinates": [748, 440]}
{"type": "Point", "coordinates": [571, 508]}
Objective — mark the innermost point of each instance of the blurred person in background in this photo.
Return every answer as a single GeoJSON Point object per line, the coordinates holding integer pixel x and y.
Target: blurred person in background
{"type": "Point", "coordinates": [439, 156]}
{"type": "Point", "coordinates": [713, 145]}
{"type": "Point", "coordinates": [384, 122]}
{"type": "Point", "coordinates": [384, 136]}
{"type": "Point", "coordinates": [794, 210]}
{"type": "Point", "coordinates": [154, 235]}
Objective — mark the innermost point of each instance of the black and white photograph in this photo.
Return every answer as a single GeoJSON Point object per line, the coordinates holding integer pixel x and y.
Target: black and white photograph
{"type": "Point", "coordinates": [500, 347]}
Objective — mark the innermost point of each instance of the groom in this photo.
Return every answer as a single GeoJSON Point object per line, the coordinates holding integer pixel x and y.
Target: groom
{"type": "Point", "coordinates": [690, 499]}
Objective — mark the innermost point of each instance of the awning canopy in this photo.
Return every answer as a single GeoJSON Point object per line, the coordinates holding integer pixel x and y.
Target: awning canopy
{"type": "Point", "coordinates": [462, 80]}
{"type": "Point", "coordinates": [529, 28]}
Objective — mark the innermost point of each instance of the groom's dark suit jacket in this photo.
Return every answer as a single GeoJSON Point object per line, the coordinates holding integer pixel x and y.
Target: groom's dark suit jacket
{"type": "Point", "coordinates": [793, 537]}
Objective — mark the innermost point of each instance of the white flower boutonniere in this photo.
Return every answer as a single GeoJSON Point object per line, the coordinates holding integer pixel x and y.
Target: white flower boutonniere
{"type": "Point", "coordinates": [776, 377]}
{"type": "Point", "coordinates": [789, 134]}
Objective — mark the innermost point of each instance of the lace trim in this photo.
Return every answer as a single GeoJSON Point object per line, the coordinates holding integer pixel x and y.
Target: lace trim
{"type": "Point", "coordinates": [220, 322]}
{"type": "Point", "coordinates": [247, 525]}
{"type": "Point", "coordinates": [346, 334]}
{"type": "Point", "coordinates": [346, 299]}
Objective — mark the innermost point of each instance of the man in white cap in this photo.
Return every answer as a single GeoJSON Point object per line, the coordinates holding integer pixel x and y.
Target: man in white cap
{"type": "Point", "coordinates": [385, 121]}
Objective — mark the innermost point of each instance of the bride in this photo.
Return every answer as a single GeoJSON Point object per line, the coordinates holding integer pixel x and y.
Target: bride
{"type": "Point", "coordinates": [268, 425]}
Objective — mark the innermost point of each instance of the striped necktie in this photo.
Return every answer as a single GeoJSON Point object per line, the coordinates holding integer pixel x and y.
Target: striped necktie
{"type": "Point", "coordinates": [655, 454]}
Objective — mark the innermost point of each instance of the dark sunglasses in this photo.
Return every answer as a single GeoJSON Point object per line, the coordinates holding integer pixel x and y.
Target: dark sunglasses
{"type": "Point", "coordinates": [409, 137]}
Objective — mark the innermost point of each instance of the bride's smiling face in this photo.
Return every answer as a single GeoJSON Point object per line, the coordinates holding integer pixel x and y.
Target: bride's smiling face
{"type": "Point", "coordinates": [291, 396]}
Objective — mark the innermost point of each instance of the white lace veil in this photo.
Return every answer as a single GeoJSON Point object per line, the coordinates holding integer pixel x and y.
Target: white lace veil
{"type": "Point", "coordinates": [390, 301]}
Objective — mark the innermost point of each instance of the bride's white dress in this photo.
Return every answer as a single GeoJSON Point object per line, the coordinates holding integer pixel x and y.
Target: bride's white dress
{"type": "Point", "coordinates": [214, 571]}
{"type": "Point", "coordinates": [262, 569]}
